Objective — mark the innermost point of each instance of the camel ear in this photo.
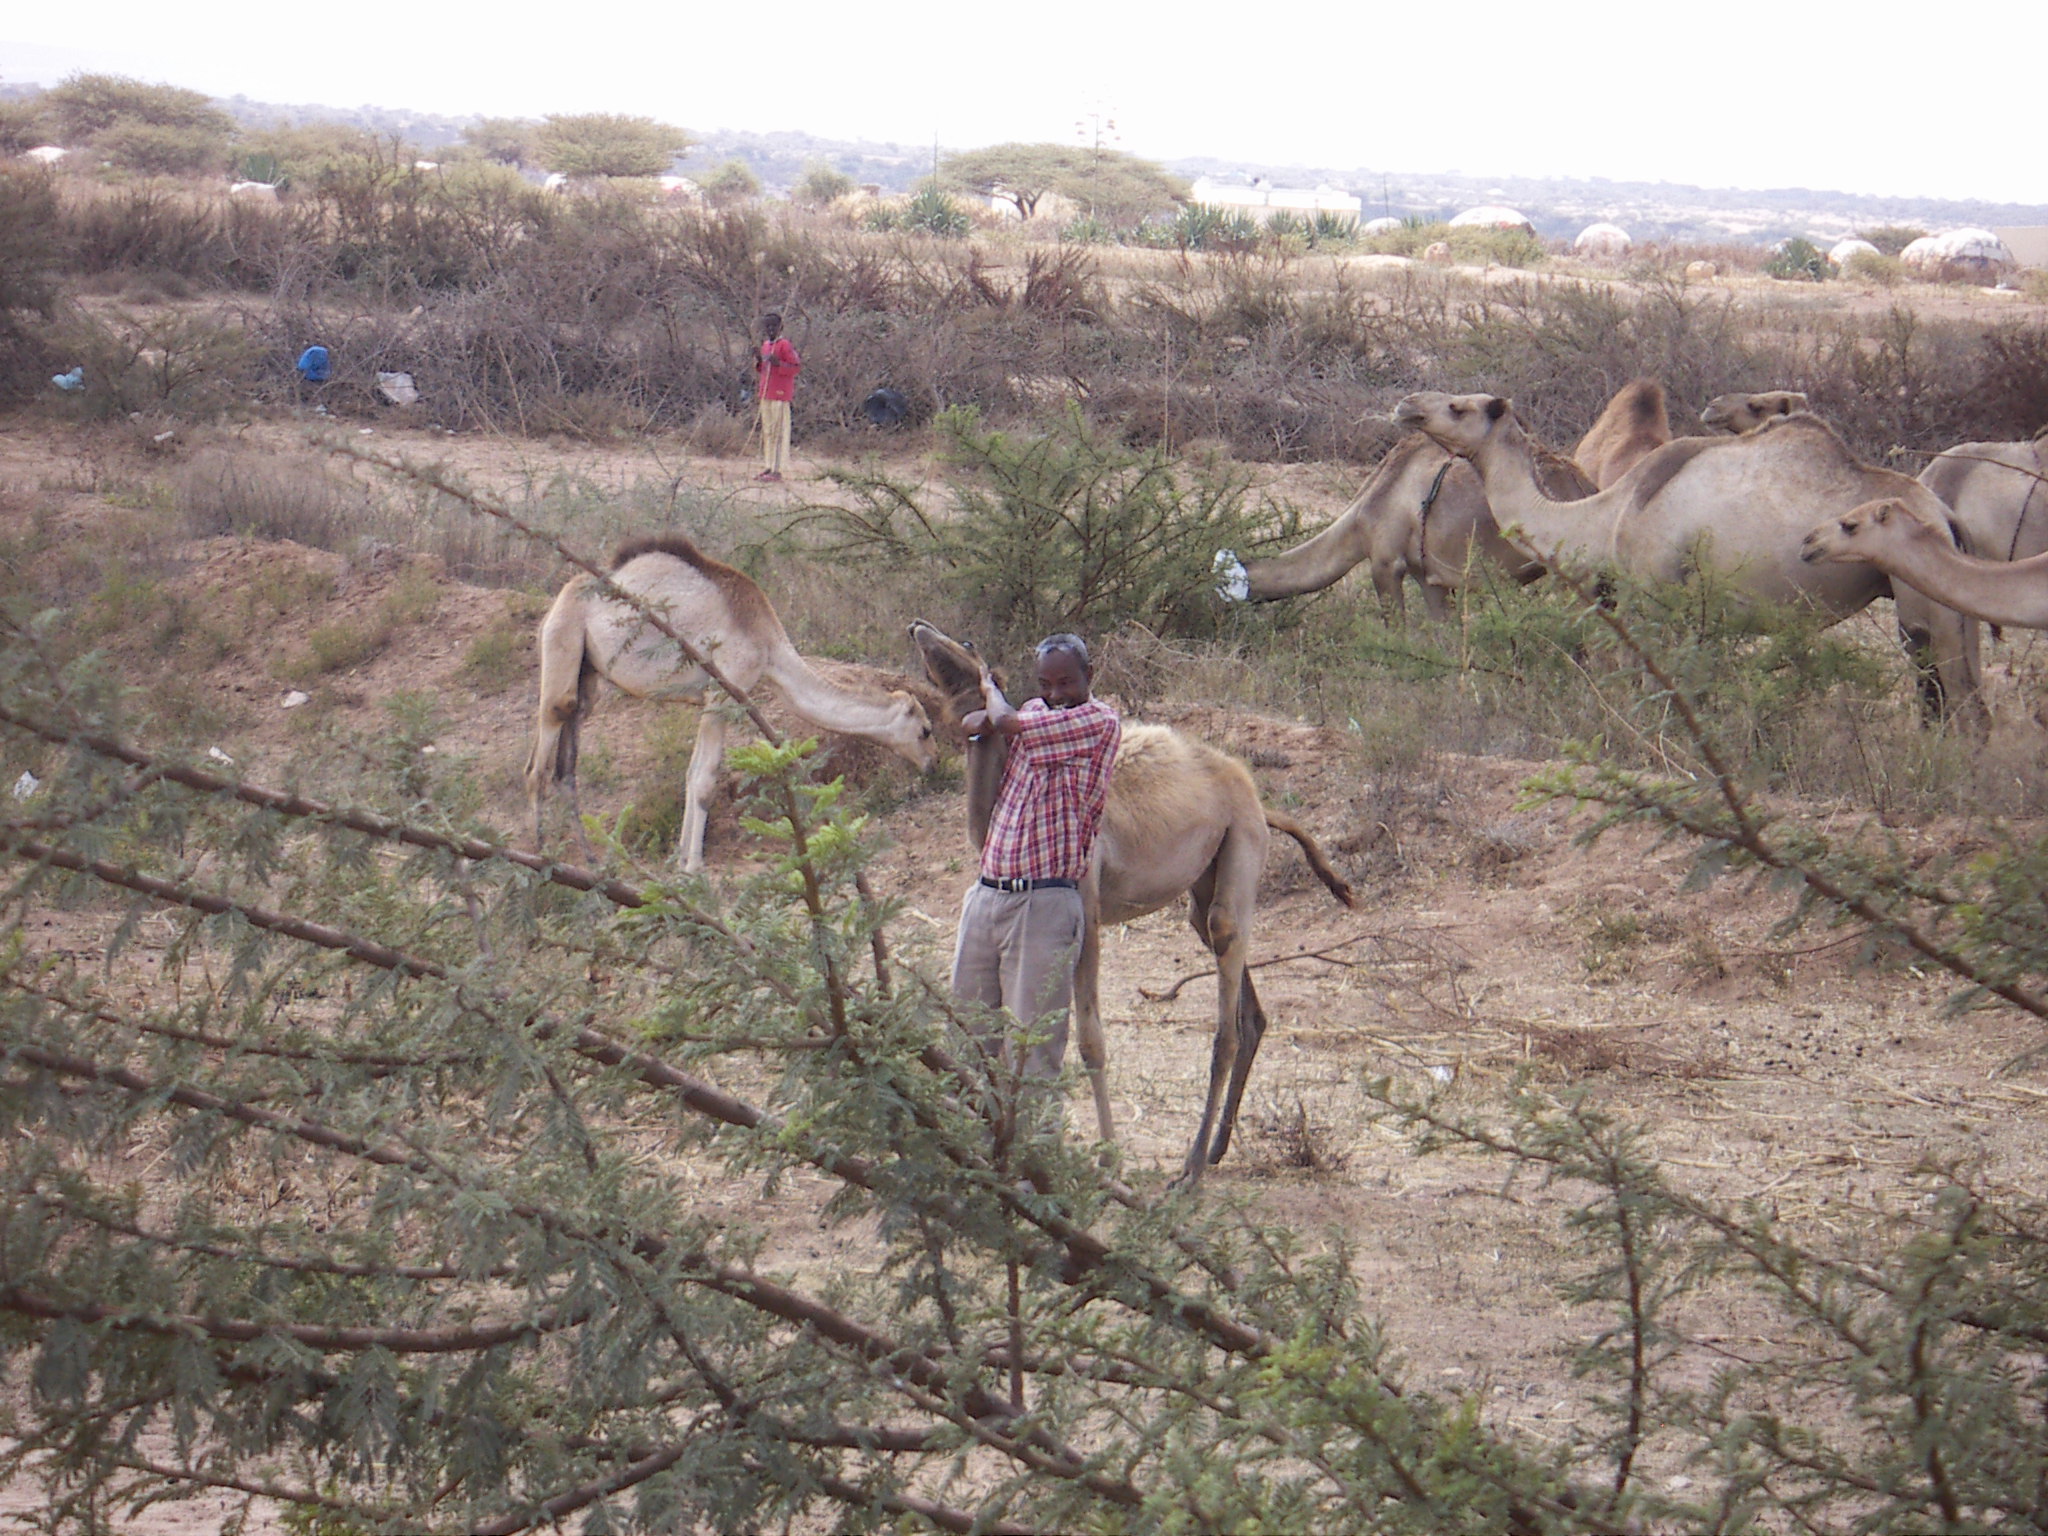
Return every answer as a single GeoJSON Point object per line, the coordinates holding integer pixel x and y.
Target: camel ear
{"type": "Point", "coordinates": [1496, 408]}
{"type": "Point", "coordinates": [1882, 512]}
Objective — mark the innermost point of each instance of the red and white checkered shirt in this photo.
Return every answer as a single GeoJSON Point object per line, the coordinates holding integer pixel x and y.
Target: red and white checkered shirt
{"type": "Point", "coordinates": [1049, 806]}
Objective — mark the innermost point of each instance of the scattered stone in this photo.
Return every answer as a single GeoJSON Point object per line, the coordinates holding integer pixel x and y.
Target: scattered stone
{"type": "Point", "coordinates": [294, 699]}
{"type": "Point", "coordinates": [26, 785]}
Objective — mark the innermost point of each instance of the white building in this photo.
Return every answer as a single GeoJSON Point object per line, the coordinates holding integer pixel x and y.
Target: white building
{"type": "Point", "coordinates": [1261, 199]}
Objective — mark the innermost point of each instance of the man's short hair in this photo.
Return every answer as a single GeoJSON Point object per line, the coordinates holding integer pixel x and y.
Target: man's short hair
{"type": "Point", "coordinates": [773, 314]}
{"type": "Point", "coordinates": [1072, 645]}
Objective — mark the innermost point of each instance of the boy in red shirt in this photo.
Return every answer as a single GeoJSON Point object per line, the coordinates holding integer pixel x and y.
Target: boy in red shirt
{"type": "Point", "coordinates": [1020, 927]}
{"type": "Point", "coordinates": [775, 372]}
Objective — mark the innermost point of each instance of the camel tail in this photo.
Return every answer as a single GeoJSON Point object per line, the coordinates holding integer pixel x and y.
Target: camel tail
{"type": "Point", "coordinates": [1311, 850]}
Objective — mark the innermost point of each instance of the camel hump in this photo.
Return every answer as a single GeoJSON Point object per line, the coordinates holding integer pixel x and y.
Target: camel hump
{"type": "Point", "coordinates": [1643, 401]}
{"type": "Point", "coordinates": [1311, 850]}
{"type": "Point", "coordinates": [742, 595]}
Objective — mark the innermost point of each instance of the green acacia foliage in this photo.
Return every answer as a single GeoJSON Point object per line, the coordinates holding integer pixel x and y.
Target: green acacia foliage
{"type": "Point", "coordinates": [444, 1148]}
{"type": "Point", "coordinates": [354, 1159]}
{"type": "Point", "coordinates": [1105, 183]}
{"type": "Point", "coordinates": [507, 140]}
{"type": "Point", "coordinates": [822, 183]}
{"type": "Point", "coordinates": [85, 105]}
{"type": "Point", "coordinates": [607, 144]}
{"type": "Point", "coordinates": [1068, 529]}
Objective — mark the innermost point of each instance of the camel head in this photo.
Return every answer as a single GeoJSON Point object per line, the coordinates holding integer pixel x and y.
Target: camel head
{"type": "Point", "coordinates": [954, 667]}
{"type": "Point", "coordinates": [1461, 423]}
{"type": "Point", "coordinates": [910, 732]}
{"type": "Point", "coordinates": [1860, 534]}
{"type": "Point", "coordinates": [1740, 414]}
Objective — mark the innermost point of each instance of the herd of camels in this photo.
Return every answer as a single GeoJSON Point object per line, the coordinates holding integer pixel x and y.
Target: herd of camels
{"type": "Point", "coordinates": [1775, 503]}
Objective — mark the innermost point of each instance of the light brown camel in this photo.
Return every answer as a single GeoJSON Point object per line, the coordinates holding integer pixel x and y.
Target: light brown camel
{"type": "Point", "coordinates": [1738, 505]}
{"type": "Point", "coordinates": [1739, 414]}
{"type": "Point", "coordinates": [1423, 514]}
{"type": "Point", "coordinates": [1911, 547]}
{"type": "Point", "coordinates": [1999, 495]}
{"type": "Point", "coordinates": [587, 635]}
{"type": "Point", "coordinates": [1632, 424]}
{"type": "Point", "coordinates": [1182, 818]}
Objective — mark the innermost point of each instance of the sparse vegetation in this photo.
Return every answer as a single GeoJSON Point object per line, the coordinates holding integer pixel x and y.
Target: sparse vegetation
{"type": "Point", "coordinates": [441, 1146]}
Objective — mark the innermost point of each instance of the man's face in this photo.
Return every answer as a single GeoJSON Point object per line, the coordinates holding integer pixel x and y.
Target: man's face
{"type": "Point", "coordinates": [771, 328]}
{"type": "Point", "coordinates": [1062, 680]}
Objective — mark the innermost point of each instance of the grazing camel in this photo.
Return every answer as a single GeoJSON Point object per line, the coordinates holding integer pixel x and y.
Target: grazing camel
{"type": "Point", "coordinates": [587, 635]}
{"type": "Point", "coordinates": [1421, 515]}
{"type": "Point", "coordinates": [1999, 495]}
{"type": "Point", "coordinates": [1182, 818]}
{"type": "Point", "coordinates": [1739, 414]}
{"type": "Point", "coordinates": [1740, 504]}
{"type": "Point", "coordinates": [1910, 547]}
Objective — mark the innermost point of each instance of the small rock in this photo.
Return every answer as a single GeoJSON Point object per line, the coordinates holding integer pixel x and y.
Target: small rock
{"type": "Point", "coordinates": [294, 699]}
{"type": "Point", "coordinates": [366, 431]}
{"type": "Point", "coordinates": [219, 756]}
{"type": "Point", "coordinates": [26, 785]}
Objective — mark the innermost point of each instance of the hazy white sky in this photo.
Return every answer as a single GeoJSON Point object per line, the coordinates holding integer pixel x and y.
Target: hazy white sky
{"type": "Point", "coordinates": [1816, 94]}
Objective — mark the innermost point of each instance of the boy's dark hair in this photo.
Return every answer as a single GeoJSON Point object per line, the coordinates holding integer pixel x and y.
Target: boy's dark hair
{"type": "Point", "coordinates": [1072, 645]}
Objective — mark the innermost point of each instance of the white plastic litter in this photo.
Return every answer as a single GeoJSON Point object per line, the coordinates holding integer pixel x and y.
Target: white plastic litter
{"type": "Point", "coordinates": [26, 785]}
{"type": "Point", "coordinates": [219, 756]}
{"type": "Point", "coordinates": [397, 388]}
{"type": "Point", "coordinates": [1233, 583]}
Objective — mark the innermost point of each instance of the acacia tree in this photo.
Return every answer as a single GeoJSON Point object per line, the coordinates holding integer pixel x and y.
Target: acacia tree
{"type": "Point", "coordinates": [1113, 185]}
{"type": "Point", "coordinates": [507, 140]}
{"type": "Point", "coordinates": [606, 144]}
{"type": "Point", "coordinates": [156, 129]}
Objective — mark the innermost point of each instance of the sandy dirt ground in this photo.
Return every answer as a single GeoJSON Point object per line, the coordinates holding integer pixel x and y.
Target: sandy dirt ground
{"type": "Point", "coordinates": [1488, 943]}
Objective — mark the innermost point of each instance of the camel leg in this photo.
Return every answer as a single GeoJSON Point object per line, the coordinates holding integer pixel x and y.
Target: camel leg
{"type": "Point", "coordinates": [1251, 1026]}
{"type": "Point", "coordinates": [1219, 931]}
{"type": "Point", "coordinates": [1239, 863]}
{"type": "Point", "coordinates": [1088, 1006]}
{"type": "Point", "coordinates": [700, 785]}
{"type": "Point", "coordinates": [1436, 602]}
{"type": "Point", "coordinates": [1943, 647]}
{"type": "Point", "coordinates": [1389, 580]}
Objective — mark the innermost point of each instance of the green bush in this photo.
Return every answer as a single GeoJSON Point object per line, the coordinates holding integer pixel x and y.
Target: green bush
{"type": "Point", "coordinates": [1799, 261]}
{"type": "Point", "coordinates": [933, 212]}
{"type": "Point", "coordinates": [1065, 530]}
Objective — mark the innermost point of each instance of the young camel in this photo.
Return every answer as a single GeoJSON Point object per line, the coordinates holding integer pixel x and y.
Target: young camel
{"type": "Point", "coordinates": [1182, 818]}
{"type": "Point", "coordinates": [1740, 504]}
{"type": "Point", "coordinates": [1424, 514]}
{"type": "Point", "coordinates": [587, 635]}
{"type": "Point", "coordinates": [1902, 542]}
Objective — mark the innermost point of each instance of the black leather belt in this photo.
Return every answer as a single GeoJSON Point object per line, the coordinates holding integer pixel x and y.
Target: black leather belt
{"type": "Point", "coordinates": [1030, 885]}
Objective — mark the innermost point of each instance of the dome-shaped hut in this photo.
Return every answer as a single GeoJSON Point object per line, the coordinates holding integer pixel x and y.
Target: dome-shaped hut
{"type": "Point", "coordinates": [1380, 226]}
{"type": "Point", "coordinates": [1493, 216]}
{"type": "Point", "coordinates": [1602, 242]}
{"type": "Point", "coordinates": [1843, 251]}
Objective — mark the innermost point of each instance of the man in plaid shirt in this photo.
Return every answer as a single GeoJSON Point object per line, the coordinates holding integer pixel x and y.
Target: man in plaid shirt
{"type": "Point", "coordinates": [1020, 927]}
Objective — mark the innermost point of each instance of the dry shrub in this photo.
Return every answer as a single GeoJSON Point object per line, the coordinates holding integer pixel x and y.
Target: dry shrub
{"type": "Point", "coordinates": [1580, 1053]}
{"type": "Point", "coordinates": [1288, 1139]}
{"type": "Point", "coordinates": [269, 496]}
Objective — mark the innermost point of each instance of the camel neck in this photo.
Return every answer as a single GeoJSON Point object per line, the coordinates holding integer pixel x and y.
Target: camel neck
{"type": "Point", "coordinates": [1506, 463]}
{"type": "Point", "coordinates": [821, 702]}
